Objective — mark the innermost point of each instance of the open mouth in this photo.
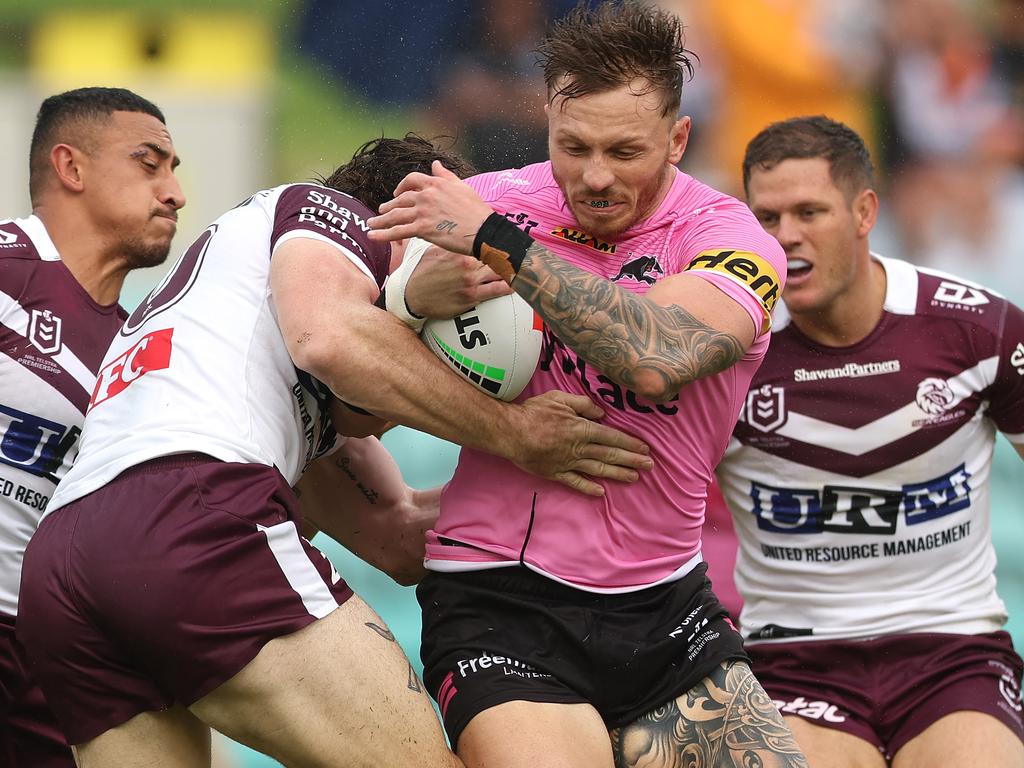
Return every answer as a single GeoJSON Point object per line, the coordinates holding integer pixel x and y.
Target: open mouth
{"type": "Point", "coordinates": [797, 268]}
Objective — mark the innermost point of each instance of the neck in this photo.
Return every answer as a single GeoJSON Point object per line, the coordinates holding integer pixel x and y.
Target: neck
{"type": "Point", "coordinates": [88, 255]}
{"type": "Point", "coordinates": [852, 316]}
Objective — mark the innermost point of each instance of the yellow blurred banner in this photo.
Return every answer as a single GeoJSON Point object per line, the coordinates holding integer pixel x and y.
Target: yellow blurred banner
{"type": "Point", "coordinates": [196, 50]}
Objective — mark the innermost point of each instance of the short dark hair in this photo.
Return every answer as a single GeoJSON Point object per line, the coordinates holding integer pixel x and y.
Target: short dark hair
{"type": "Point", "coordinates": [799, 138]}
{"type": "Point", "coordinates": [69, 117]}
{"type": "Point", "coordinates": [378, 165]}
{"type": "Point", "coordinates": [600, 48]}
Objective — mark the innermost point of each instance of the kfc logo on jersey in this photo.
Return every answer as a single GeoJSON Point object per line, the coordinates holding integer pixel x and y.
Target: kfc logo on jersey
{"type": "Point", "coordinates": [951, 294]}
{"type": "Point", "coordinates": [1017, 359]}
{"type": "Point", "coordinates": [44, 331]}
{"type": "Point", "coordinates": [934, 396]}
{"type": "Point", "coordinates": [151, 353]}
{"type": "Point", "coordinates": [766, 408]}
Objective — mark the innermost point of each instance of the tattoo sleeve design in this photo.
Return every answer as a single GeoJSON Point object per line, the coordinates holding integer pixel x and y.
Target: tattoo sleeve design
{"type": "Point", "coordinates": [622, 333]}
{"type": "Point", "coordinates": [726, 721]}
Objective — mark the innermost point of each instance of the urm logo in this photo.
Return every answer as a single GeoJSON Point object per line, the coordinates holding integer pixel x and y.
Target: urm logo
{"type": "Point", "coordinates": [34, 444]}
{"type": "Point", "coordinates": [848, 509]}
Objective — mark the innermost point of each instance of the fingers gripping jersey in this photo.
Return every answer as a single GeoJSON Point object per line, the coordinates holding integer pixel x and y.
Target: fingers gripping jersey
{"type": "Point", "coordinates": [52, 339]}
{"type": "Point", "coordinates": [648, 531]}
{"type": "Point", "coordinates": [858, 477]}
{"type": "Point", "coordinates": [200, 365]}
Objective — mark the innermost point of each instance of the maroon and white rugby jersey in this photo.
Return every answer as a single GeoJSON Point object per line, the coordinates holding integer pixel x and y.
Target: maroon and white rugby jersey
{"type": "Point", "coordinates": [859, 476]}
{"type": "Point", "coordinates": [53, 338]}
{"type": "Point", "coordinates": [200, 365]}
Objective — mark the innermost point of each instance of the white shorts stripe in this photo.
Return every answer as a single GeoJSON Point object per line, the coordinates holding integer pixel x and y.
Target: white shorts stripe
{"type": "Point", "coordinates": [302, 576]}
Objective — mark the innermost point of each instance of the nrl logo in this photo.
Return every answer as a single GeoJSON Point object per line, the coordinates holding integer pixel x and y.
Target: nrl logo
{"type": "Point", "coordinates": [44, 331]}
{"type": "Point", "coordinates": [766, 408]}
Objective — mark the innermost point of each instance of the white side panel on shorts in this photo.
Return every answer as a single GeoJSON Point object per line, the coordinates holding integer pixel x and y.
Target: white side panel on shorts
{"type": "Point", "coordinates": [302, 575]}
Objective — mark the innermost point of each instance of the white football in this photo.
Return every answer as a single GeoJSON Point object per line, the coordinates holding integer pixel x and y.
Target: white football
{"type": "Point", "coordinates": [495, 345]}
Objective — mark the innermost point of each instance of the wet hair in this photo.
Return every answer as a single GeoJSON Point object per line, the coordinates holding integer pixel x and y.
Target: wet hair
{"type": "Point", "coordinates": [71, 118]}
{"type": "Point", "coordinates": [801, 138]}
{"type": "Point", "coordinates": [378, 165]}
{"type": "Point", "coordinates": [601, 48]}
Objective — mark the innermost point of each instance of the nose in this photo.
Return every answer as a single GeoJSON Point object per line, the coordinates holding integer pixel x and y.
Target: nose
{"type": "Point", "coordinates": [597, 176]}
{"type": "Point", "coordinates": [788, 232]}
{"type": "Point", "coordinates": [171, 194]}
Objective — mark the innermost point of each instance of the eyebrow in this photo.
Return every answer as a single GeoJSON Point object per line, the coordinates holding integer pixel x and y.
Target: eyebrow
{"type": "Point", "coordinates": [158, 150]}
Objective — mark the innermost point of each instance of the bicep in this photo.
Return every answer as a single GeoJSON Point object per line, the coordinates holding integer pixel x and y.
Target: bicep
{"type": "Point", "coordinates": [314, 288]}
{"type": "Point", "coordinates": [709, 306]}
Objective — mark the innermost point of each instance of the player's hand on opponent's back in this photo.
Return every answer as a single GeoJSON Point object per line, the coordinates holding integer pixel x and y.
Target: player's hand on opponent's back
{"type": "Point", "coordinates": [445, 284]}
{"type": "Point", "coordinates": [440, 208]}
{"type": "Point", "coordinates": [559, 439]}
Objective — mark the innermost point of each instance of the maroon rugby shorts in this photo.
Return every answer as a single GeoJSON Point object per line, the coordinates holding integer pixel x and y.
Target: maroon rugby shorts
{"type": "Point", "coordinates": [29, 735]}
{"type": "Point", "coordinates": [887, 690]}
{"type": "Point", "coordinates": [163, 584]}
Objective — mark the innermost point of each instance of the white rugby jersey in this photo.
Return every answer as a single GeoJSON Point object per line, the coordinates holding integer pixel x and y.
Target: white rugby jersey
{"type": "Point", "coordinates": [53, 336]}
{"type": "Point", "coordinates": [201, 366]}
{"type": "Point", "coordinates": [858, 477]}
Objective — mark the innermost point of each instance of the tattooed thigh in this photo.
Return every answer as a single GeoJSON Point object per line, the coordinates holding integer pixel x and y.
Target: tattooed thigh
{"type": "Point", "coordinates": [727, 721]}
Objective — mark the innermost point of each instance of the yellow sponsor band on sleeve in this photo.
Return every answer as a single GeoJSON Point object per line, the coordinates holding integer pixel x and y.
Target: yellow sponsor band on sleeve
{"type": "Point", "coordinates": [746, 268]}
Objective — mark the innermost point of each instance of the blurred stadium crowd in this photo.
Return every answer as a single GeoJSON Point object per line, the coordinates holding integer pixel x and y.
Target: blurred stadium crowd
{"type": "Point", "coordinates": [938, 85]}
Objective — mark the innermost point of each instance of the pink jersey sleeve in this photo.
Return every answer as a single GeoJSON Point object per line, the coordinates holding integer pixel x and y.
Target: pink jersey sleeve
{"type": "Point", "coordinates": [737, 256]}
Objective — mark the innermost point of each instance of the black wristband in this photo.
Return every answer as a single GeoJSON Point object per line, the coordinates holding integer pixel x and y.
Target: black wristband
{"type": "Point", "coordinates": [501, 245]}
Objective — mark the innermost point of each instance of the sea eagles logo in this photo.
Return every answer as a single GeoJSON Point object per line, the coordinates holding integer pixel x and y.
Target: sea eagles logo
{"type": "Point", "coordinates": [934, 396]}
{"type": "Point", "coordinates": [44, 331]}
{"type": "Point", "coordinates": [642, 269]}
{"type": "Point", "coordinates": [766, 408]}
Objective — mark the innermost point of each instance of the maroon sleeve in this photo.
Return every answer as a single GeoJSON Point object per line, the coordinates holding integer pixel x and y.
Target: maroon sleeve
{"type": "Point", "coordinates": [1007, 392]}
{"type": "Point", "coordinates": [337, 217]}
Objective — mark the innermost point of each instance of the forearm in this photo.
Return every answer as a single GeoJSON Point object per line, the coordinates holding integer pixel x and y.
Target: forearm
{"type": "Point", "coordinates": [652, 349]}
{"type": "Point", "coordinates": [382, 367]}
{"type": "Point", "coordinates": [357, 497]}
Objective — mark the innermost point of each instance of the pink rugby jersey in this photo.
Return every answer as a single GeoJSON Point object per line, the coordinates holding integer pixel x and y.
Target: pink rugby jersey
{"type": "Point", "coordinates": [493, 514]}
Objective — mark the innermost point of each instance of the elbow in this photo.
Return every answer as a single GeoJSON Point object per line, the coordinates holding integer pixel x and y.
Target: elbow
{"type": "Point", "coordinates": [656, 387]}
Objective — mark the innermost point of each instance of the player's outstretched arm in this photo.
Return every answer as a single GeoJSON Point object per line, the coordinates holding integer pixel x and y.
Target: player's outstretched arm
{"type": "Point", "coordinates": [680, 331]}
{"type": "Point", "coordinates": [324, 307]}
{"type": "Point", "coordinates": [357, 496]}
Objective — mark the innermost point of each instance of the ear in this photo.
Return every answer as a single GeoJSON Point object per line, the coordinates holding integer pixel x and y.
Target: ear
{"type": "Point", "coordinates": [678, 137]}
{"type": "Point", "coordinates": [66, 162]}
{"type": "Point", "coordinates": [865, 211]}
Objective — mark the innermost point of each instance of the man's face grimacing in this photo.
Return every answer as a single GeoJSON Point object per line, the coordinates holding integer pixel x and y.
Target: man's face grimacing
{"type": "Point", "coordinates": [821, 230]}
{"type": "Point", "coordinates": [612, 155]}
{"type": "Point", "coordinates": [133, 191]}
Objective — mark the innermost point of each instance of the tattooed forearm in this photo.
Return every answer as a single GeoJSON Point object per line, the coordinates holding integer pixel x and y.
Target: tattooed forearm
{"type": "Point", "coordinates": [726, 721]}
{"type": "Point", "coordinates": [623, 334]}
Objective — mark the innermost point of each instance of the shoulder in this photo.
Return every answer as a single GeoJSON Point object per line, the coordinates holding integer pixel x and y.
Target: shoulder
{"type": "Point", "coordinates": [941, 296]}
{"type": "Point", "coordinates": [532, 181]}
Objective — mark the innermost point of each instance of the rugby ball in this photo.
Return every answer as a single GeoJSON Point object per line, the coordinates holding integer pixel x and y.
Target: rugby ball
{"type": "Point", "coordinates": [495, 345]}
